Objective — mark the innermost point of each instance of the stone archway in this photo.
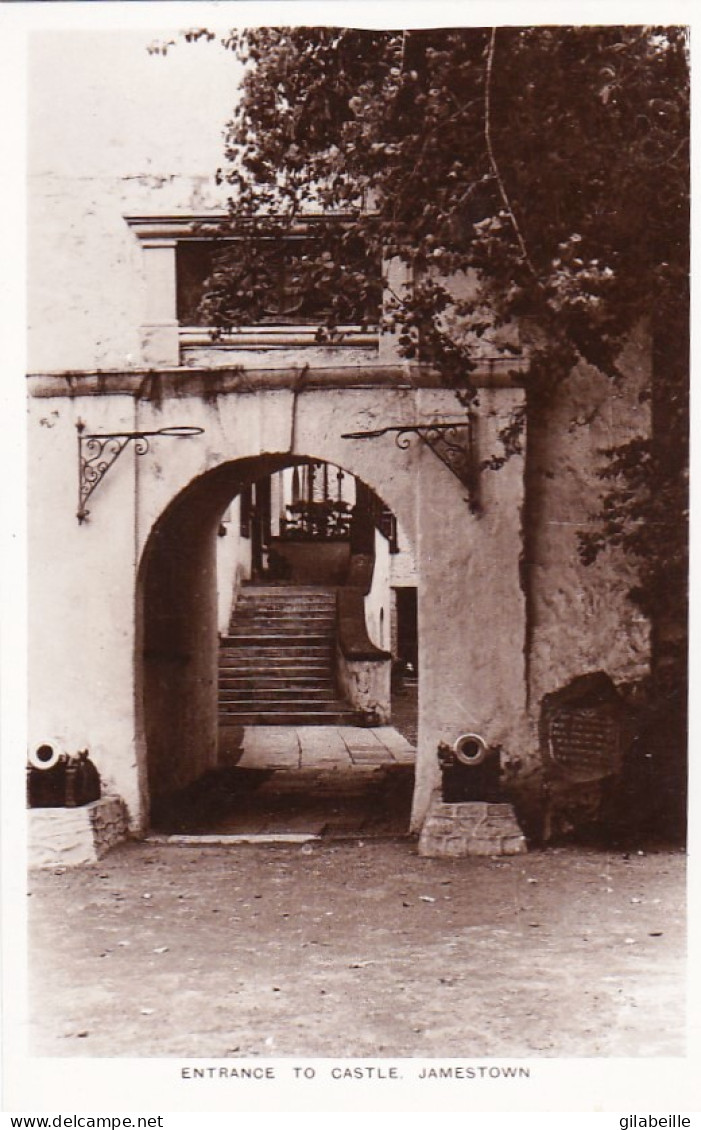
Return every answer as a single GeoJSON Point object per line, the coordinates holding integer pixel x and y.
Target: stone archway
{"type": "Point", "coordinates": [177, 627]}
{"type": "Point", "coordinates": [474, 641]}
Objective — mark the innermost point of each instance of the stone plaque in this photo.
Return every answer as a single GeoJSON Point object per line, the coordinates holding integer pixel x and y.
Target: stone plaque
{"type": "Point", "coordinates": [583, 729]}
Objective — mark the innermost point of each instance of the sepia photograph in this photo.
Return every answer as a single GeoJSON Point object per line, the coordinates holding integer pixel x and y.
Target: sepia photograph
{"type": "Point", "coordinates": [357, 399]}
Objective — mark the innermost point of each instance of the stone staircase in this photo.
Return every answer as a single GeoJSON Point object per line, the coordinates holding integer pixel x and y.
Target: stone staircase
{"type": "Point", "coordinates": [276, 665]}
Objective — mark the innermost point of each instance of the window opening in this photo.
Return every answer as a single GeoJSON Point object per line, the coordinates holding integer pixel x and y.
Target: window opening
{"type": "Point", "coordinates": [289, 281]}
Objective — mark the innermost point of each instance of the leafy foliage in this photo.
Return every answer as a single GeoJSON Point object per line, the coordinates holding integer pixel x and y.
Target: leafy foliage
{"type": "Point", "coordinates": [548, 166]}
{"type": "Point", "coordinates": [552, 160]}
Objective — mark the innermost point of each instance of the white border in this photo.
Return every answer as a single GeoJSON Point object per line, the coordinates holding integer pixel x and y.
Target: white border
{"type": "Point", "coordinates": [102, 1086]}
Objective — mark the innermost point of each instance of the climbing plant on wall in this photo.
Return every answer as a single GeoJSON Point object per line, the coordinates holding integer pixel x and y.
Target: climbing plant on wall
{"type": "Point", "coordinates": [553, 161]}
{"type": "Point", "coordinates": [549, 165]}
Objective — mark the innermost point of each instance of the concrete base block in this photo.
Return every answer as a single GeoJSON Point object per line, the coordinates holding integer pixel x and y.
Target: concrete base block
{"type": "Point", "coordinates": [470, 828]}
{"type": "Point", "coordinates": [65, 837]}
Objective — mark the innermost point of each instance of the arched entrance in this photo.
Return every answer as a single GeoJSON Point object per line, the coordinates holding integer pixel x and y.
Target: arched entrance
{"type": "Point", "coordinates": [264, 535]}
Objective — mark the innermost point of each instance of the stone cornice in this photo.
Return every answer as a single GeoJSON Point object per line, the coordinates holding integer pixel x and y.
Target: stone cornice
{"type": "Point", "coordinates": [157, 384]}
{"type": "Point", "coordinates": [195, 225]}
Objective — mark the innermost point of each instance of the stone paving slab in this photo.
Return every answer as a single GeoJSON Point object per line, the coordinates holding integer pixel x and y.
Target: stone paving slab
{"type": "Point", "coordinates": [233, 838]}
{"type": "Point", "coordinates": [363, 747]}
{"type": "Point", "coordinates": [407, 758]}
{"type": "Point", "coordinates": [262, 758]}
{"type": "Point", "coordinates": [318, 736]}
{"type": "Point", "coordinates": [395, 742]}
{"type": "Point", "coordinates": [322, 747]}
{"type": "Point", "coordinates": [270, 747]}
{"type": "Point", "coordinates": [359, 735]}
{"type": "Point", "coordinates": [313, 780]}
{"type": "Point", "coordinates": [274, 737]}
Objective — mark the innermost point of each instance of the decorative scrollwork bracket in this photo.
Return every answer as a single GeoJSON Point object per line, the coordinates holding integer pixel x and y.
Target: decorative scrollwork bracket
{"type": "Point", "coordinates": [97, 452]}
{"type": "Point", "coordinates": [452, 442]}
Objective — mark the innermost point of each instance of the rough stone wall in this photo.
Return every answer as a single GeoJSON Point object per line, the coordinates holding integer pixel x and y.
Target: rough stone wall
{"type": "Point", "coordinates": [71, 836]}
{"type": "Point", "coordinates": [472, 828]}
{"type": "Point", "coordinates": [365, 684]}
{"type": "Point", "coordinates": [580, 618]}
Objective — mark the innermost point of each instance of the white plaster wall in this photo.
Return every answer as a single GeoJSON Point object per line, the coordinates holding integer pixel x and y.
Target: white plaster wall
{"type": "Point", "coordinates": [112, 130]}
{"type": "Point", "coordinates": [471, 608]}
{"type": "Point", "coordinates": [83, 577]}
{"type": "Point", "coordinates": [81, 627]}
{"type": "Point", "coordinates": [248, 424]}
{"type": "Point", "coordinates": [233, 565]}
{"type": "Point", "coordinates": [377, 601]}
{"type": "Point", "coordinates": [476, 642]}
{"type": "Point", "coordinates": [402, 564]}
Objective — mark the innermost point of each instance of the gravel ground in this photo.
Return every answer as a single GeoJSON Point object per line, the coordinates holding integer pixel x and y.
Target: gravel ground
{"type": "Point", "coordinates": [358, 949]}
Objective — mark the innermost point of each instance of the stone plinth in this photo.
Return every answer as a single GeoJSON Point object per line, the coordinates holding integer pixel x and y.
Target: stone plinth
{"type": "Point", "coordinates": [470, 828]}
{"type": "Point", "coordinates": [68, 836]}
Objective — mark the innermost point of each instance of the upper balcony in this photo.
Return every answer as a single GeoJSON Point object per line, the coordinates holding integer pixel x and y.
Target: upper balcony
{"type": "Point", "coordinates": [179, 256]}
{"type": "Point", "coordinates": [289, 328]}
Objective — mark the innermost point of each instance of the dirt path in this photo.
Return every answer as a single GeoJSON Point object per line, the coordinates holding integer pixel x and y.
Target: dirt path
{"type": "Point", "coordinates": [343, 949]}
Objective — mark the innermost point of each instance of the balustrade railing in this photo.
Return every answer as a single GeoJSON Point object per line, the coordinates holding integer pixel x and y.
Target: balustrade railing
{"type": "Point", "coordinates": [320, 520]}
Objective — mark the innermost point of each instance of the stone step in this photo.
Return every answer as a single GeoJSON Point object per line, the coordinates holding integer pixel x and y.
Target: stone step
{"type": "Point", "coordinates": [342, 717]}
{"type": "Point", "coordinates": [258, 680]}
{"type": "Point", "coordinates": [312, 637]}
{"type": "Point", "coordinates": [326, 613]}
{"type": "Point", "coordinates": [316, 605]}
{"type": "Point", "coordinates": [305, 632]}
{"type": "Point", "coordinates": [243, 659]}
{"type": "Point", "coordinates": [300, 613]}
{"type": "Point", "coordinates": [283, 590]}
{"type": "Point", "coordinates": [284, 668]}
{"type": "Point", "coordinates": [265, 696]}
{"type": "Point", "coordinates": [276, 615]}
{"type": "Point", "coordinates": [284, 617]}
{"type": "Point", "coordinates": [302, 702]}
{"type": "Point", "coordinates": [271, 654]}
{"type": "Point", "coordinates": [313, 645]}
{"type": "Point", "coordinates": [274, 679]}
{"type": "Point", "coordinates": [276, 663]}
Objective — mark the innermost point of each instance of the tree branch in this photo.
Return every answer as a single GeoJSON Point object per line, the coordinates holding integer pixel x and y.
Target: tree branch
{"type": "Point", "coordinates": [492, 159]}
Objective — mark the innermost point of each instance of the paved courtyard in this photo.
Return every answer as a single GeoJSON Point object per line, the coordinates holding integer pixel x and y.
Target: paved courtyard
{"type": "Point", "coordinates": [305, 781]}
{"type": "Point", "coordinates": [316, 747]}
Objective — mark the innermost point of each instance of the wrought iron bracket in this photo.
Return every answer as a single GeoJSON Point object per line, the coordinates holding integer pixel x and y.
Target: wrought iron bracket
{"type": "Point", "coordinates": [98, 451]}
{"type": "Point", "coordinates": [452, 442]}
